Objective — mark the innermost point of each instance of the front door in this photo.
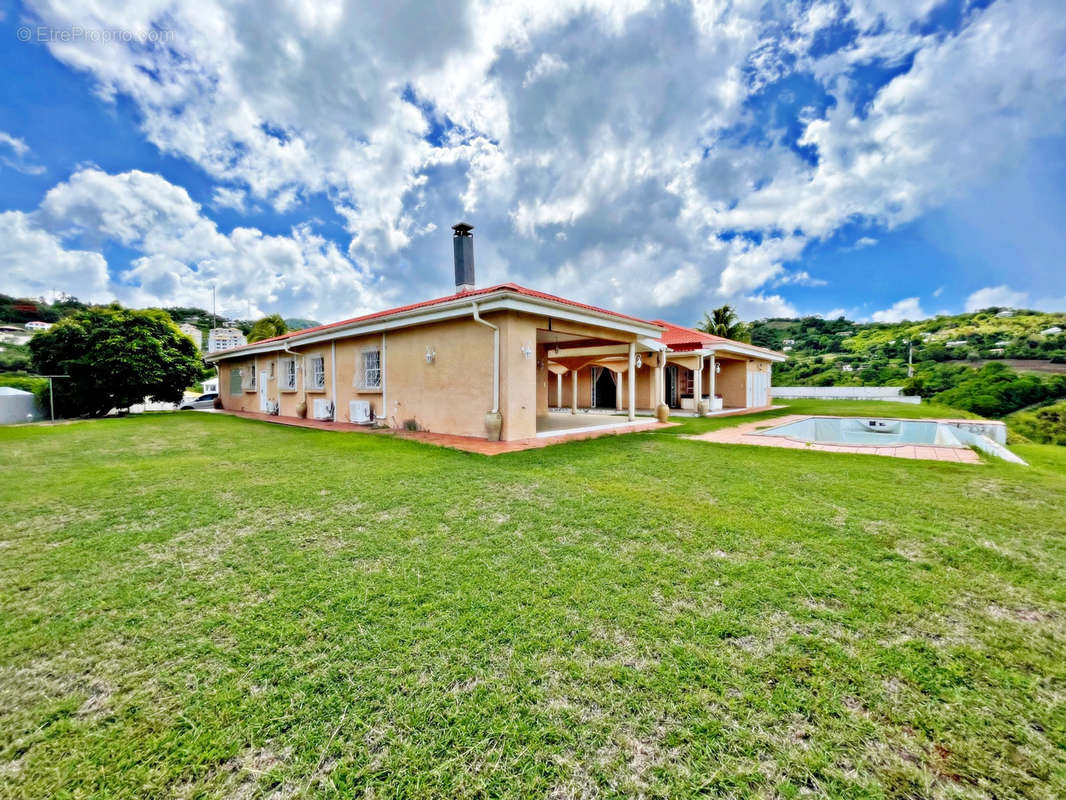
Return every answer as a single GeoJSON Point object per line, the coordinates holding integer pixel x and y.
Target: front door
{"type": "Point", "coordinates": [671, 386]}
{"type": "Point", "coordinates": [264, 401]}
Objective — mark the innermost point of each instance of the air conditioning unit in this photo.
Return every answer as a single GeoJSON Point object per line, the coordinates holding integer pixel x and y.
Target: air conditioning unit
{"type": "Point", "coordinates": [359, 412]}
{"type": "Point", "coordinates": [322, 409]}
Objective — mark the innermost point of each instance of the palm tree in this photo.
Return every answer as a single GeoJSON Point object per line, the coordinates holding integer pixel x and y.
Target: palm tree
{"type": "Point", "coordinates": [724, 322]}
{"type": "Point", "coordinates": [267, 327]}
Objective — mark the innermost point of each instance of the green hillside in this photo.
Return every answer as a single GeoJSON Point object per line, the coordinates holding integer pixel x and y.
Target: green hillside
{"type": "Point", "coordinates": [992, 362]}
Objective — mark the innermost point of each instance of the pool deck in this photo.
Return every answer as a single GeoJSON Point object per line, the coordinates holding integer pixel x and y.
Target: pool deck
{"type": "Point", "coordinates": [749, 433]}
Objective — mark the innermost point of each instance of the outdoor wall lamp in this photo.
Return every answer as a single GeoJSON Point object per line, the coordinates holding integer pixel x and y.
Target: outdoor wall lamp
{"type": "Point", "coordinates": [717, 367]}
{"type": "Point", "coordinates": [638, 363]}
{"type": "Point", "coordinates": [527, 351]}
{"type": "Point", "coordinates": [431, 355]}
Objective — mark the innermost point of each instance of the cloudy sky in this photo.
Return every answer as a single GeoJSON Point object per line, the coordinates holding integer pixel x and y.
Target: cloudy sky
{"type": "Point", "coordinates": [882, 158]}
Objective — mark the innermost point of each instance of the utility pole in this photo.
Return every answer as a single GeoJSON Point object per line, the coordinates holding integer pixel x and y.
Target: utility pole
{"type": "Point", "coordinates": [214, 315]}
{"type": "Point", "coordinates": [51, 401]}
{"type": "Point", "coordinates": [910, 358]}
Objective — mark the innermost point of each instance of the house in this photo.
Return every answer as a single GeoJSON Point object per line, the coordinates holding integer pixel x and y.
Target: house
{"type": "Point", "coordinates": [956, 343]}
{"type": "Point", "coordinates": [847, 368]}
{"type": "Point", "coordinates": [1002, 343]}
{"type": "Point", "coordinates": [193, 333]}
{"type": "Point", "coordinates": [224, 339]}
{"type": "Point", "coordinates": [491, 362]}
{"type": "Point", "coordinates": [1054, 330]}
{"type": "Point", "coordinates": [37, 325]}
{"type": "Point", "coordinates": [1004, 313]}
{"type": "Point", "coordinates": [14, 334]}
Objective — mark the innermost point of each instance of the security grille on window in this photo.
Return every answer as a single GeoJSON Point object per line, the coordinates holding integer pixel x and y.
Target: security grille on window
{"type": "Point", "coordinates": [249, 377]}
{"type": "Point", "coordinates": [288, 374]}
{"type": "Point", "coordinates": [371, 372]}
{"type": "Point", "coordinates": [316, 373]}
{"type": "Point", "coordinates": [236, 383]}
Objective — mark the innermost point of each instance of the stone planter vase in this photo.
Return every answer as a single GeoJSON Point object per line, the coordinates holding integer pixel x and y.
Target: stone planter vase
{"type": "Point", "coordinates": [301, 409]}
{"type": "Point", "coordinates": [493, 425]}
{"type": "Point", "coordinates": [703, 408]}
{"type": "Point", "coordinates": [662, 413]}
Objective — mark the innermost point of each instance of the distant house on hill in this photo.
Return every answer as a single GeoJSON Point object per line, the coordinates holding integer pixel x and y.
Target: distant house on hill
{"type": "Point", "coordinates": [1005, 313]}
{"type": "Point", "coordinates": [193, 333]}
{"type": "Point", "coordinates": [37, 325]}
{"type": "Point", "coordinates": [957, 343]}
{"type": "Point", "coordinates": [1054, 330]}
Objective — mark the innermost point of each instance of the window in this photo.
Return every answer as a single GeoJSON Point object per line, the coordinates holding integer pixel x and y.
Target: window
{"type": "Point", "coordinates": [249, 377]}
{"type": "Point", "coordinates": [288, 374]}
{"type": "Point", "coordinates": [236, 384]}
{"type": "Point", "coordinates": [316, 373]}
{"type": "Point", "coordinates": [371, 369]}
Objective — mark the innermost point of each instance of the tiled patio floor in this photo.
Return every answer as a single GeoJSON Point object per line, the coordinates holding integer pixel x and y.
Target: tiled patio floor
{"type": "Point", "coordinates": [746, 434]}
{"type": "Point", "coordinates": [469, 444]}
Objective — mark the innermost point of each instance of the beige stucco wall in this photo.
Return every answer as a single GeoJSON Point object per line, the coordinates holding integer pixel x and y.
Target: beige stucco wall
{"type": "Point", "coordinates": [732, 383]}
{"type": "Point", "coordinates": [454, 392]}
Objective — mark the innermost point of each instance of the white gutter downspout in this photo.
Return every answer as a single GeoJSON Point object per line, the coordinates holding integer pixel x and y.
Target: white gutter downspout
{"type": "Point", "coordinates": [384, 383]}
{"type": "Point", "coordinates": [495, 359]}
{"type": "Point", "coordinates": [333, 376]}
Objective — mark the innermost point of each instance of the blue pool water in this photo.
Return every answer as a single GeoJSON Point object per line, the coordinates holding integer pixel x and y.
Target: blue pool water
{"type": "Point", "coordinates": [869, 431]}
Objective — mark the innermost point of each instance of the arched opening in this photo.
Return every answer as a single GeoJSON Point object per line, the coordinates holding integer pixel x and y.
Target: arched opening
{"type": "Point", "coordinates": [604, 389]}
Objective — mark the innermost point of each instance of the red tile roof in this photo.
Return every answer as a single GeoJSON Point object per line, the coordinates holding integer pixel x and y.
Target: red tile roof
{"type": "Point", "coordinates": [502, 287]}
{"type": "Point", "coordinates": [680, 339]}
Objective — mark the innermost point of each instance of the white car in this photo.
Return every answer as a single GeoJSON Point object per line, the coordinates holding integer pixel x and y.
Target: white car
{"type": "Point", "coordinates": [203, 401]}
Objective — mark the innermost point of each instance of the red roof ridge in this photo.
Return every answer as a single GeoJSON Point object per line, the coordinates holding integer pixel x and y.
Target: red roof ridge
{"type": "Point", "coordinates": [680, 335]}
{"type": "Point", "coordinates": [471, 293]}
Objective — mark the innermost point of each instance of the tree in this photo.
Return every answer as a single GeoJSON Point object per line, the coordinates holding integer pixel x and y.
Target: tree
{"type": "Point", "coordinates": [268, 327]}
{"type": "Point", "coordinates": [115, 357]}
{"type": "Point", "coordinates": [724, 322]}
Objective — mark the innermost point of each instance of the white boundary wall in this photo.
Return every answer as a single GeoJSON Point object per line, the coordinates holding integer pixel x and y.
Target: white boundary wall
{"type": "Point", "coordinates": [891, 393]}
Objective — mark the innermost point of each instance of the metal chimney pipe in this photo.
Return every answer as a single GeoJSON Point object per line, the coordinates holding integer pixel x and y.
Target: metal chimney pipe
{"type": "Point", "coordinates": [463, 244]}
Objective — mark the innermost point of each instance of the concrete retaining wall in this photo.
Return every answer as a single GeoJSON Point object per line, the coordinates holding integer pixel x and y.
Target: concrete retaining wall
{"type": "Point", "coordinates": [890, 393]}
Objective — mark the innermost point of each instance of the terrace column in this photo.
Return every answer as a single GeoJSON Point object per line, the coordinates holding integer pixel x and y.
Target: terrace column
{"type": "Point", "coordinates": [632, 385]}
{"type": "Point", "coordinates": [573, 391]}
{"type": "Point", "coordinates": [617, 390]}
{"type": "Point", "coordinates": [559, 390]}
{"type": "Point", "coordinates": [697, 384]}
{"type": "Point", "coordinates": [660, 393]}
{"type": "Point", "coordinates": [714, 369]}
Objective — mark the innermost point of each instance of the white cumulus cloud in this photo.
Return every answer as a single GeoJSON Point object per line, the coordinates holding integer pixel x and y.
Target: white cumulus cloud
{"type": "Point", "coordinates": [907, 309]}
{"type": "Point", "coordinates": [995, 296]}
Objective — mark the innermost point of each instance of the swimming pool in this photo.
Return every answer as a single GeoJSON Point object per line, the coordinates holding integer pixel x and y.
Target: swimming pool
{"type": "Point", "coordinates": [870, 431]}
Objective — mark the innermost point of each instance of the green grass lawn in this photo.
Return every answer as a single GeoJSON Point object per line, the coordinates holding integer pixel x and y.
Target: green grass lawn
{"type": "Point", "coordinates": [193, 605]}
